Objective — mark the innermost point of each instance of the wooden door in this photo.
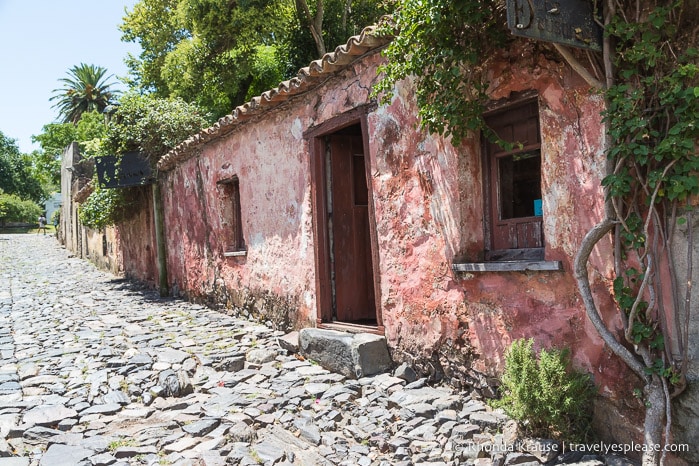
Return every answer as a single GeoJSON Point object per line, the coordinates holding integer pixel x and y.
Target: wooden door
{"type": "Point", "coordinates": [348, 222]}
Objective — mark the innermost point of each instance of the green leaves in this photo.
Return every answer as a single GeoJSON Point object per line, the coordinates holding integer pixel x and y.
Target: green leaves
{"type": "Point", "coordinates": [545, 393]}
{"type": "Point", "coordinates": [210, 52]}
{"type": "Point", "coordinates": [15, 209]}
{"type": "Point", "coordinates": [151, 125]}
{"type": "Point", "coordinates": [17, 175]}
{"type": "Point", "coordinates": [85, 89]}
{"type": "Point", "coordinates": [442, 45]}
{"type": "Point", "coordinates": [653, 110]}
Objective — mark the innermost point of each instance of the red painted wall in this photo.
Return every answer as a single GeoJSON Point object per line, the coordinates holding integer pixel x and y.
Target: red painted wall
{"type": "Point", "coordinates": [429, 208]}
{"type": "Point", "coordinates": [428, 203]}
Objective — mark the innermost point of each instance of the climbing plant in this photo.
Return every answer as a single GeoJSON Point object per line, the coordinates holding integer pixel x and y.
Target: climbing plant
{"type": "Point", "coordinates": [146, 124]}
{"type": "Point", "coordinates": [650, 79]}
{"type": "Point", "coordinates": [651, 116]}
{"type": "Point", "coordinates": [442, 45]}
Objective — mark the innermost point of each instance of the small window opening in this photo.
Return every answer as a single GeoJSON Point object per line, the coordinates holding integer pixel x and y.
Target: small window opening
{"type": "Point", "coordinates": [513, 185]}
{"type": "Point", "coordinates": [231, 215]}
{"type": "Point", "coordinates": [520, 185]}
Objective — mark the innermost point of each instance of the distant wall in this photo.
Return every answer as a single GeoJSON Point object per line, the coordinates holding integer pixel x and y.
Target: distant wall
{"type": "Point", "coordinates": [137, 234]}
{"type": "Point", "coordinates": [99, 246]}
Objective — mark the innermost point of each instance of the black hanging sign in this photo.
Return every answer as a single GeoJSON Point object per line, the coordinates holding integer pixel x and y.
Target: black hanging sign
{"type": "Point", "coordinates": [129, 169]}
{"type": "Point", "coordinates": [568, 22]}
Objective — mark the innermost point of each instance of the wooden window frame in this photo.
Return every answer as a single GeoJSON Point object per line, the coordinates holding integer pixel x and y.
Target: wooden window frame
{"type": "Point", "coordinates": [232, 220]}
{"type": "Point", "coordinates": [512, 259]}
{"type": "Point", "coordinates": [491, 193]}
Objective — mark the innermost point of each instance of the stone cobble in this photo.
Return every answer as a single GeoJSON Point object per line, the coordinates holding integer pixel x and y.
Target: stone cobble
{"type": "Point", "coordinates": [96, 371]}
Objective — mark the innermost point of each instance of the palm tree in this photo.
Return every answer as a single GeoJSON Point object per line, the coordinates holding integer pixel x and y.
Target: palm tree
{"type": "Point", "coordinates": [85, 89]}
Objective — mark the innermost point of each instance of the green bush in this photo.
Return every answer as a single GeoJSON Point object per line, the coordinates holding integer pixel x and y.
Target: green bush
{"type": "Point", "coordinates": [15, 209]}
{"type": "Point", "coordinates": [151, 125]}
{"type": "Point", "coordinates": [101, 208]}
{"type": "Point", "coordinates": [546, 395]}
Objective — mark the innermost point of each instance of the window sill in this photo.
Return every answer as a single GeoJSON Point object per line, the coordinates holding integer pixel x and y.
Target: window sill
{"type": "Point", "coordinates": [242, 253]}
{"type": "Point", "coordinates": [508, 266]}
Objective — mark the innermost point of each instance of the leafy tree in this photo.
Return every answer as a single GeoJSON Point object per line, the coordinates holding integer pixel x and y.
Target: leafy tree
{"type": "Point", "coordinates": [151, 125]}
{"type": "Point", "coordinates": [16, 174]}
{"type": "Point", "coordinates": [55, 137]}
{"type": "Point", "coordinates": [651, 68]}
{"type": "Point", "coordinates": [142, 123]}
{"type": "Point", "coordinates": [90, 131]}
{"type": "Point", "coordinates": [202, 50]}
{"type": "Point", "coordinates": [218, 53]}
{"type": "Point", "coordinates": [85, 89]}
{"type": "Point", "coordinates": [331, 22]}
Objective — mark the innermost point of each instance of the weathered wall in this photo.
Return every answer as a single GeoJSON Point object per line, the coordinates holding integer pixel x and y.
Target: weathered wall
{"type": "Point", "coordinates": [429, 209]}
{"type": "Point", "coordinates": [102, 247]}
{"type": "Point", "coordinates": [429, 213]}
{"type": "Point", "coordinates": [138, 238]}
{"type": "Point", "coordinates": [276, 277]}
{"type": "Point", "coordinates": [428, 204]}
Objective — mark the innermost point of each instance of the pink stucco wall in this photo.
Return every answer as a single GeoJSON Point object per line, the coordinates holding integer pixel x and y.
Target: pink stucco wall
{"type": "Point", "coordinates": [270, 160]}
{"type": "Point", "coordinates": [429, 209]}
{"type": "Point", "coordinates": [428, 206]}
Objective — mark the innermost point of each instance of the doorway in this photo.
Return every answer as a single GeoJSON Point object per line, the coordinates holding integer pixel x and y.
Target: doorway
{"type": "Point", "coordinates": [348, 229]}
{"type": "Point", "coordinates": [345, 255]}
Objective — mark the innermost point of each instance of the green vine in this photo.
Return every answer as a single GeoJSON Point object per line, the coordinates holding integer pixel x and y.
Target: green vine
{"type": "Point", "coordinates": [649, 64]}
{"type": "Point", "coordinates": [146, 124]}
{"type": "Point", "coordinates": [104, 207]}
{"type": "Point", "coordinates": [443, 46]}
{"type": "Point", "coordinates": [652, 117]}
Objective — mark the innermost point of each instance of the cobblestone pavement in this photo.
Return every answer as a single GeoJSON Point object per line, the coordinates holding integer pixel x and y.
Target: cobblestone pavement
{"type": "Point", "coordinates": [94, 371]}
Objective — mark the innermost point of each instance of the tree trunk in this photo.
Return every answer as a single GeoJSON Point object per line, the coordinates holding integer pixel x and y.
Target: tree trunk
{"type": "Point", "coordinates": [314, 24]}
{"type": "Point", "coordinates": [654, 422]}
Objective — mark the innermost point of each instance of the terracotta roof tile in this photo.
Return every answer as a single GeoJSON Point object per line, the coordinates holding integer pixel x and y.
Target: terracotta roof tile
{"type": "Point", "coordinates": [306, 79]}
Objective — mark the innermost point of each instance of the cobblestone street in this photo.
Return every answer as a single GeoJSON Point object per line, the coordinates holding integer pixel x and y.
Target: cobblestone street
{"type": "Point", "coordinates": [95, 371]}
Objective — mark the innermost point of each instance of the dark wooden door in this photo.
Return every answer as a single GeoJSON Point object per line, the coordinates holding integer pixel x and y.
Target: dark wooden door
{"type": "Point", "coordinates": [349, 225]}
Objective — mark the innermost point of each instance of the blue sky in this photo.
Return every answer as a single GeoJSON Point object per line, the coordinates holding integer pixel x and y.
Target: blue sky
{"type": "Point", "coordinates": [40, 40]}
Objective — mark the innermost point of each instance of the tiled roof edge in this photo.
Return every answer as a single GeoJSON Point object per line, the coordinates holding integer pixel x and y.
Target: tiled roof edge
{"type": "Point", "coordinates": [368, 40]}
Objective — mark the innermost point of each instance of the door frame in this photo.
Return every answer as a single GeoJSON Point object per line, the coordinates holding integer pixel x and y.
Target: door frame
{"type": "Point", "coordinates": [315, 137]}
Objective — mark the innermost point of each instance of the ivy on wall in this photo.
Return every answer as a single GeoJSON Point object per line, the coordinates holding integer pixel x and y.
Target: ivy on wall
{"type": "Point", "coordinates": [648, 74]}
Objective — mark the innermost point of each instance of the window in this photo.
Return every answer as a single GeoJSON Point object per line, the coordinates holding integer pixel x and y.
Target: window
{"type": "Point", "coordinates": [231, 219]}
{"type": "Point", "coordinates": [514, 217]}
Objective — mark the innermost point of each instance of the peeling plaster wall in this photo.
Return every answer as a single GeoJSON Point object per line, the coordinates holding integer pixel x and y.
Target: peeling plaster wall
{"type": "Point", "coordinates": [429, 214]}
{"type": "Point", "coordinates": [428, 205]}
{"type": "Point", "coordinates": [429, 208]}
{"type": "Point", "coordinates": [275, 280]}
{"type": "Point", "coordinates": [138, 246]}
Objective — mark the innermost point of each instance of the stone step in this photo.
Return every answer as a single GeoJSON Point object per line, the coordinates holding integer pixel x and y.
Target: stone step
{"type": "Point", "coordinates": [353, 355]}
